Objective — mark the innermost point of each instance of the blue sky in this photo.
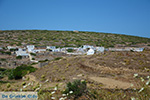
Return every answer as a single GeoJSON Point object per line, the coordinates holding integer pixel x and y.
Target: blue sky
{"type": "Point", "coordinates": [130, 17]}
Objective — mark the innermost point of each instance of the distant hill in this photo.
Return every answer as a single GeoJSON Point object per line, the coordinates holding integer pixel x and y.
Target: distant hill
{"type": "Point", "coordinates": [68, 38]}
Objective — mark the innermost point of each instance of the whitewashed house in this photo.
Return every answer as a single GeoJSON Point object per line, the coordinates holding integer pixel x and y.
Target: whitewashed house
{"type": "Point", "coordinates": [30, 48]}
{"type": "Point", "coordinates": [81, 50]}
{"type": "Point", "coordinates": [21, 49]}
{"type": "Point", "coordinates": [116, 49]}
{"type": "Point", "coordinates": [90, 52]}
{"type": "Point", "coordinates": [100, 49]}
{"type": "Point", "coordinates": [63, 50]}
{"type": "Point", "coordinates": [51, 47]}
{"type": "Point", "coordinates": [128, 49]}
{"type": "Point", "coordinates": [75, 48]}
{"type": "Point", "coordinates": [56, 50]}
{"type": "Point", "coordinates": [11, 47]}
{"type": "Point", "coordinates": [87, 46]}
{"type": "Point", "coordinates": [39, 50]}
{"type": "Point", "coordinates": [138, 49]}
{"type": "Point", "coordinates": [119, 49]}
{"type": "Point", "coordinates": [94, 48]}
{"type": "Point", "coordinates": [70, 48]}
{"type": "Point", "coordinates": [21, 53]}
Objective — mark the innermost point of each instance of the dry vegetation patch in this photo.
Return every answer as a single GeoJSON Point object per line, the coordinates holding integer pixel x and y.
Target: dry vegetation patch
{"type": "Point", "coordinates": [118, 66]}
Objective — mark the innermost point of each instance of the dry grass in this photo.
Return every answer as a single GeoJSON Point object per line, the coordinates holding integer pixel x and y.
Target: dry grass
{"type": "Point", "coordinates": [118, 66]}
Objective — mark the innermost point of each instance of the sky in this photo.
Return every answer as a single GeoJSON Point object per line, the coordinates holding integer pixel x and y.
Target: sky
{"type": "Point", "coordinates": [130, 17]}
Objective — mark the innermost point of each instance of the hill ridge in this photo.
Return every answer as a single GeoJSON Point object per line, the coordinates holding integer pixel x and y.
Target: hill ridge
{"type": "Point", "coordinates": [68, 38]}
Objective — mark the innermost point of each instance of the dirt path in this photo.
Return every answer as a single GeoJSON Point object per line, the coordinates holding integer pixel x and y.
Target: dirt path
{"type": "Point", "coordinates": [111, 83]}
{"type": "Point", "coordinates": [106, 70]}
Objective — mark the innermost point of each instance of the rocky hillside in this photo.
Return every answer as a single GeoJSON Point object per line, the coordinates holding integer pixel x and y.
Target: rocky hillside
{"type": "Point", "coordinates": [68, 38]}
{"type": "Point", "coordinates": [120, 66]}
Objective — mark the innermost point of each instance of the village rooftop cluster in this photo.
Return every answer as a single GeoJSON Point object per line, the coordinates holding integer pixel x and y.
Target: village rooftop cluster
{"type": "Point", "coordinates": [29, 50]}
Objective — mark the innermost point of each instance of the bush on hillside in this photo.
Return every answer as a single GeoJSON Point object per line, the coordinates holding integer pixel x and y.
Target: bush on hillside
{"type": "Point", "coordinates": [77, 87]}
{"type": "Point", "coordinates": [58, 58]}
{"type": "Point", "coordinates": [11, 75]}
{"type": "Point", "coordinates": [19, 57]}
{"type": "Point", "coordinates": [1, 76]}
{"type": "Point", "coordinates": [20, 71]}
{"type": "Point", "coordinates": [8, 53]}
{"type": "Point", "coordinates": [2, 69]}
{"type": "Point", "coordinates": [70, 50]}
{"type": "Point", "coordinates": [33, 54]}
{"type": "Point", "coordinates": [13, 50]}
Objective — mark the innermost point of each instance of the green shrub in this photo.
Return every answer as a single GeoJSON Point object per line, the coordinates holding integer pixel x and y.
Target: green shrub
{"type": "Point", "coordinates": [13, 49]}
{"type": "Point", "coordinates": [11, 75]}
{"type": "Point", "coordinates": [23, 83]}
{"type": "Point", "coordinates": [43, 60]}
{"type": "Point", "coordinates": [34, 63]}
{"type": "Point", "coordinates": [78, 87]}
{"type": "Point", "coordinates": [33, 54]}
{"type": "Point", "coordinates": [43, 76]}
{"type": "Point", "coordinates": [8, 85]}
{"type": "Point", "coordinates": [4, 48]}
{"type": "Point", "coordinates": [17, 74]}
{"type": "Point", "coordinates": [20, 71]}
{"type": "Point", "coordinates": [3, 59]}
{"type": "Point", "coordinates": [9, 53]}
{"type": "Point", "coordinates": [19, 57]}
{"type": "Point", "coordinates": [48, 50]}
{"type": "Point", "coordinates": [33, 58]}
{"type": "Point", "coordinates": [1, 76]}
{"type": "Point", "coordinates": [58, 58]}
{"type": "Point", "coordinates": [70, 50]}
{"type": "Point", "coordinates": [2, 69]}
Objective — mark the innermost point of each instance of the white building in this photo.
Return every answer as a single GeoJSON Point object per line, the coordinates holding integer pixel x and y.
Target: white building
{"type": "Point", "coordinates": [100, 49]}
{"type": "Point", "coordinates": [74, 53]}
{"type": "Point", "coordinates": [87, 46]}
{"type": "Point", "coordinates": [63, 50]}
{"type": "Point", "coordinates": [70, 48]}
{"type": "Point", "coordinates": [90, 52]}
{"type": "Point", "coordinates": [21, 53]}
{"type": "Point", "coordinates": [11, 47]}
{"type": "Point", "coordinates": [51, 47]}
{"type": "Point", "coordinates": [21, 49]}
{"type": "Point", "coordinates": [94, 48]}
{"type": "Point", "coordinates": [39, 50]}
{"type": "Point", "coordinates": [81, 50]}
{"type": "Point", "coordinates": [56, 50]}
{"type": "Point", "coordinates": [138, 49]}
{"type": "Point", "coordinates": [127, 49]}
{"type": "Point", "coordinates": [116, 49]}
{"type": "Point", "coordinates": [30, 48]}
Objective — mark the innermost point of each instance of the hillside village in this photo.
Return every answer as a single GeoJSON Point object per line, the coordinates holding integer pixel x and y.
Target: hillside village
{"type": "Point", "coordinates": [103, 69]}
{"type": "Point", "coordinates": [42, 54]}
